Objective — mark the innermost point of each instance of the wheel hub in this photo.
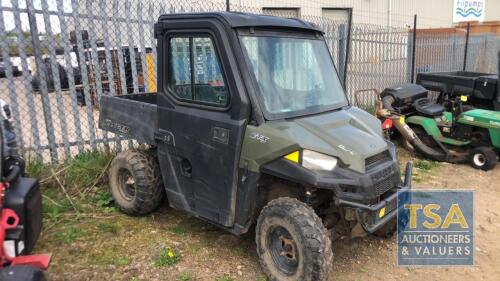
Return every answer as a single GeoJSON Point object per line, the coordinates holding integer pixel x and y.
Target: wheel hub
{"type": "Point", "coordinates": [283, 250]}
{"type": "Point", "coordinates": [479, 160]}
{"type": "Point", "coordinates": [288, 246]}
{"type": "Point", "coordinates": [127, 184]}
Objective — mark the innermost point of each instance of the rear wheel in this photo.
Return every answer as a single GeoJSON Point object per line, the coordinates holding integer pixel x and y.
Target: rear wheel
{"type": "Point", "coordinates": [292, 242]}
{"type": "Point", "coordinates": [135, 182]}
{"type": "Point", "coordinates": [483, 158]}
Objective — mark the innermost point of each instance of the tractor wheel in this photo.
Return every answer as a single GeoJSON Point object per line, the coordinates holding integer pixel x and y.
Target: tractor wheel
{"type": "Point", "coordinates": [387, 230]}
{"type": "Point", "coordinates": [483, 158]}
{"type": "Point", "coordinates": [135, 182]}
{"type": "Point", "coordinates": [292, 242]}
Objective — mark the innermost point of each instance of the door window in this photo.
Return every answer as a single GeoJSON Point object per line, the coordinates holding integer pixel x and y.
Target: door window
{"type": "Point", "coordinates": [195, 74]}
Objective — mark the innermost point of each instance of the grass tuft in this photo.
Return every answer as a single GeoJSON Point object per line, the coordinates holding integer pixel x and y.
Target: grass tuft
{"type": "Point", "coordinates": [108, 227]}
{"type": "Point", "coordinates": [168, 257]}
{"type": "Point", "coordinates": [104, 199]}
{"type": "Point", "coordinates": [224, 278]}
{"type": "Point", "coordinates": [67, 236]}
{"type": "Point", "coordinates": [85, 168]}
{"type": "Point", "coordinates": [425, 165]}
{"type": "Point", "coordinates": [109, 257]}
{"type": "Point", "coordinates": [185, 276]}
{"type": "Point", "coordinates": [178, 230]}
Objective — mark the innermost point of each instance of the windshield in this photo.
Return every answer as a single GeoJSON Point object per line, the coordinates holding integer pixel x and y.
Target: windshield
{"type": "Point", "coordinates": [296, 76]}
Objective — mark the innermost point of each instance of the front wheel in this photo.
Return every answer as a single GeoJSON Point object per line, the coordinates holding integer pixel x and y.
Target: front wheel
{"type": "Point", "coordinates": [292, 242]}
{"type": "Point", "coordinates": [483, 158]}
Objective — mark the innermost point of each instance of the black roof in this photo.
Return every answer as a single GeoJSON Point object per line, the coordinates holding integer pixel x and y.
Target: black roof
{"type": "Point", "coordinates": [236, 19]}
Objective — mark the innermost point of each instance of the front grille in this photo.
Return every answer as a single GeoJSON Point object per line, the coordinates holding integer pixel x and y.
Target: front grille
{"type": "Point", "coordinates": [383, 180]}
{"type": "Point", "coordinates": [372, 161]}
{"type": "Point", "coordinates": [383, 186]}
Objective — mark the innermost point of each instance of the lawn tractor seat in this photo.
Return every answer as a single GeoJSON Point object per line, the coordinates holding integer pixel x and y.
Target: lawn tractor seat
{"type": "Point", "coordinates": [426, 107]}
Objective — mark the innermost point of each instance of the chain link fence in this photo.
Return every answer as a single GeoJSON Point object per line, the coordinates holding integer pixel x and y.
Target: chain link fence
{"type": "Point", "coordinates": [59, 57]}
{"type": "Point", "coordinates": [446, 51]}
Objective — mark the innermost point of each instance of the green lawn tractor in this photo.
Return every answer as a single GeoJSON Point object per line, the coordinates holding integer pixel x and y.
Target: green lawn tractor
{"type": "Point", "coordinates": [426, 128]}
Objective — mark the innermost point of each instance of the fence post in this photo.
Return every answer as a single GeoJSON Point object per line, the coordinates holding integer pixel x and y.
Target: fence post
{"type": "Point", "coordinates": [466, 45]}
{"type": "Point", "coordinates": [414, 48]}
{"type": "Point", "coordinates": [342, 51]}
{"type": "Point", "coordinates": [348, 46]}
{"type": "Point", "coordinates": [42, 71]}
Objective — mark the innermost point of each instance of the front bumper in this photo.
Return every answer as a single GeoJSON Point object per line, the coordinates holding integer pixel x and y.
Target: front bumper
{"type": "Point", "coordinates": [372, 221]}
{"type": "Point", "coordinates": [367, 193]}
{"type": "Point", "coordinates": [349, 185]}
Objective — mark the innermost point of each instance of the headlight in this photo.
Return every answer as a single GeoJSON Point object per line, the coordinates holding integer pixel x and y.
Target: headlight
{"type": "Point", "coordinates": [318, 161]}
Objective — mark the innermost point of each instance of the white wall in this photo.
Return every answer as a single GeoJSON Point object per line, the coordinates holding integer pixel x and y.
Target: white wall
{"type": "Point", "coordinates": [431, 13]}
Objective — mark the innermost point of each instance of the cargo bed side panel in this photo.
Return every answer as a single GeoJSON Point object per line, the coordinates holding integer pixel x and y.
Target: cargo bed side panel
{"type": "Point", "coordinates": [130, 117]}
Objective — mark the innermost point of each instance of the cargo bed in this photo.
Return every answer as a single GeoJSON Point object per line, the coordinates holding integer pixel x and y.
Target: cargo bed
{"type": "Point", "coordinates": [480, 87]}
{"type": "Point", "coordinates": [133, 115]}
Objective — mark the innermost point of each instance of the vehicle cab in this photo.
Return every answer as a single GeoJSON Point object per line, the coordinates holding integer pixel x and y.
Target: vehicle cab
{"type": "Point", "coordinates": [251, 125]}
{"type": "Point", "coordinates": [246, 98]}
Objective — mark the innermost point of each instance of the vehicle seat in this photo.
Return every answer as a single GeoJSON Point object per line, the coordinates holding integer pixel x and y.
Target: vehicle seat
{"type": "Point", "coordinates": [426, 107]}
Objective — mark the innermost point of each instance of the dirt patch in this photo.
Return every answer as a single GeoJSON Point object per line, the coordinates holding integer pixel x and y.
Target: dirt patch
{"type": "Point", "coordinates": [111, 246]}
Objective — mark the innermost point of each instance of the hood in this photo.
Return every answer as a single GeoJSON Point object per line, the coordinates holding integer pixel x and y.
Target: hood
{"type": "Point", "coordinates": [351, 134]}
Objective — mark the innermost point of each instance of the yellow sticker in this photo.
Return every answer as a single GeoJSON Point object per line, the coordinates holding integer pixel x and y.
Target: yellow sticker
{"type": "Point", "coordinates": [402, 120]}
{"type": "Point", "coordinates": [381, 213]}
{"type": "Point", "coordinates": [463, 98]}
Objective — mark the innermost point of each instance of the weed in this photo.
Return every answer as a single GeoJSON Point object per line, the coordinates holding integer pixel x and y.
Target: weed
{"type": "Point", "coordinates": [133, 278]}
{"type": "Point", "coordinates": [224, 278]}
{"type": "Point", "coordinates": [108, 227]}
{"type": "Point", "coordinates": [103, 199]}
{"type": "Point", "coordinates": [425, 165]}
{"type": "Point", "coordinates": [261, 278]}
{"type": "Point", "coordinates": [85, 168]}
{"type": "Point", "coordinates": [178, 230]}
{"type": "Point", "coordinates": [36, 168]}
{"type": "Point", "coordinates": [54, 209]}
{"type": "Point", "coordinates": [67, 236]}
{"type": "Point", "coordinates": [109, 258]}
{"type": "Point", "coordinates": [185, 276]}
{"type": "Point", "coordinates": [168, 257]}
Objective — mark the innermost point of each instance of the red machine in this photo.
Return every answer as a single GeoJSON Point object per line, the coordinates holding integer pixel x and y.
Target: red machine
{"type": "Point", "coordinates": [20, 213]}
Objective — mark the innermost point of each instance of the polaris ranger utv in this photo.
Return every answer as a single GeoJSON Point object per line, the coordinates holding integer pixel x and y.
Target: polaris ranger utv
{"type": "Point", "coordinates": [251, 125]}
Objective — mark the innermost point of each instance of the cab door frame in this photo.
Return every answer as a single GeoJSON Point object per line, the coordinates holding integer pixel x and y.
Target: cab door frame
{"type": "Point", "coordinates": [185, 191]}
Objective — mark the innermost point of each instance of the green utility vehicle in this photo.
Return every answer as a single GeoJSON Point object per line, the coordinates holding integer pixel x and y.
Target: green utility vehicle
{"type": "Point", "coordinates": [456, 136]}
{"type": "Point", "coordinates": [251, 125]}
